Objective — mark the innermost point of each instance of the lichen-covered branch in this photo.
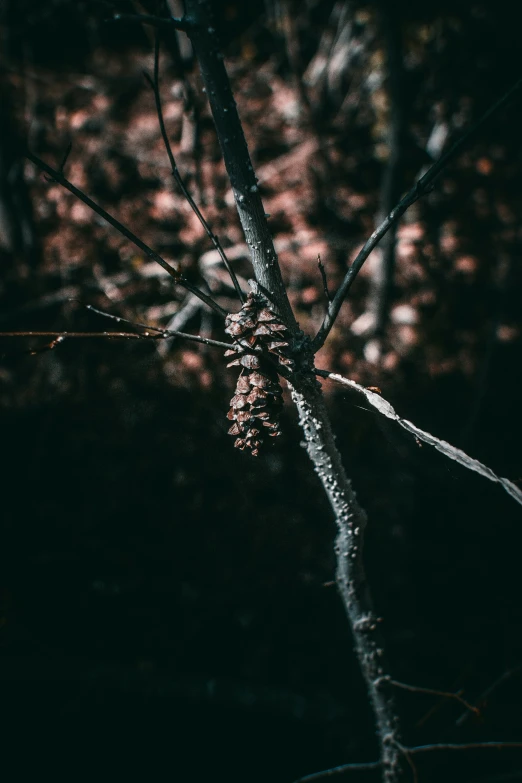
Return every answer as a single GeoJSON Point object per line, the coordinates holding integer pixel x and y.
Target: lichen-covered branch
{"type": "Point", "coordinates": [351, 577]}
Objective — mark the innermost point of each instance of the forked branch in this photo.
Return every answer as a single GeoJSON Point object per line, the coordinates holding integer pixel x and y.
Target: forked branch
{"type": "Point", "coordinates": [320, 441]}
{"type": "Point", "coordinates": [386, 409]}
{"type": "Point", "coordinates": [421, 187]}
{"type": "Point", "coordinates": [57, 176]}
{"type": "Point", "coordinates": [154, 83]}
{"type": "Point", "coordinates": [239, 167]}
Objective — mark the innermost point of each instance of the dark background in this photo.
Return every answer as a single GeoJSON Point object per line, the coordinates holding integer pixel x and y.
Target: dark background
{"type": "Point", "coordinates": [165, 608]}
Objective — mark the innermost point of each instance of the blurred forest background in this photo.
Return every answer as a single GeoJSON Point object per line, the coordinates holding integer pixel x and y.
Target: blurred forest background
{"type": "Point", "coordinates": [165, 600]}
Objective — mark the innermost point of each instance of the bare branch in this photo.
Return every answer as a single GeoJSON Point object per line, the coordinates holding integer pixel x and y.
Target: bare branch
{"type": "Point", "coordinates": [386, 409]}
{"type": "Point", "coordinates": [119, 319]}
{"type": "Point", "coordinates": [350, 574]}
{"type": "Point", "coordinates": [410, 764]}
{"type": "Point", "coordinates": [241, 345]}
{"type": "Point", "coordinates": [154, 83]}
{"type": "Point", "coordinates": [419, 189]}
{"type": "Point", "coordinates": [237, 158]}
{"type": "Point", "coordinates": [464, 746]}
{"type": "Point", "coordinates": [504, 677]}
{"type": "Point", "coordinates": [434, 692]}
{"type": "Point", "coordinates": [322, 271]}
{"type": "Point", "coordinates": [328, 773]}
{"type": "Point", "coordinates": [158, 335]}
{"type": "Point", "coordinates": [57, 176]}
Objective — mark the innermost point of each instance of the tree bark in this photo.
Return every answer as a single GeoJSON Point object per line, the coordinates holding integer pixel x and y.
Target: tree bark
{"type": "Point", "coordinates": [306, 393]}
{"type": "Point", "coordinates": [351, 578]}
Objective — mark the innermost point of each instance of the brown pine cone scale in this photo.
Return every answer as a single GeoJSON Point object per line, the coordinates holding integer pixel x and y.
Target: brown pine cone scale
{"type": "Point", "coordinates": [258, 398]}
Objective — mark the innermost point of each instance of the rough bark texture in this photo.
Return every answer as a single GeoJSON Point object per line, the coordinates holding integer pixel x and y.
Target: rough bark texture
{"type": "Point", "coordinates": [351, 578]}
{"type": "Point", "coordinates": [237, 159]}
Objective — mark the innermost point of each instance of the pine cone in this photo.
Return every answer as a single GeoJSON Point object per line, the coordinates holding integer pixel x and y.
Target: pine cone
{"type": "Point", "coordinates": [259, 396]}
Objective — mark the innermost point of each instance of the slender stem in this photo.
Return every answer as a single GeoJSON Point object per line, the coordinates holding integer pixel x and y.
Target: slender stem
{"type": "Point", "coordinates": [434, 692]}
{"type": "Point", "coordinates": [324, 279]}
{"type": "Point", "coordinates": [241, 345]}
{"type": "Point", "coordinates": [126, 232]}
{"type": "Point", "coordinates": [328, 773]}
{"type": "Point", "coordinates": [119, 319]}
{"type": "Point", "coordinates": [490, 689]}
{"type": "Point", "coordinates": [464, 746]}
{"type": "Point", "coordinates": [158, 335]}
{"type": "Point", "coordinates": [236, 157]}
{"type": "Point", "coordinates": [177, 176]}
{"type": "Point", "coordinates": [159, 330]}
{"type": "Point", "coordinates": [419, 189]}
{"type": "Point", "coordinates": [387, 410]}
{"type": "Point", "coordinates": [341, 769]}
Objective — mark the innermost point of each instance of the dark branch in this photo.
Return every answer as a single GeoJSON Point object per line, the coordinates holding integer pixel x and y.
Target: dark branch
{"type": "Point", "coordinates": [161, 332]}
{"type": "Point", "coordinates": [57, 176]}
{"type": "Point", "coordinates": [158, 335]}
{"type": "Point", "coordinates": [504, 677]}
{"type": "Point", "coordinates": [419, 189]}
{"type": "Point", "coordinates": [387, 410]}
{"type": "Point", "coordinates": [154, 83]}
{"type": "Point", "coordinates": [433, 692]}
{"type": "Point", "coordinates": [322, 271]}
{"type": "Point", "coordinates": [328, 773]}
{"type": "Point", "coordinates": [241, 345]}
{"type": "Point", "coordinates": [464, 746]}
{"type": "Point", "coordinates": [237, 159]}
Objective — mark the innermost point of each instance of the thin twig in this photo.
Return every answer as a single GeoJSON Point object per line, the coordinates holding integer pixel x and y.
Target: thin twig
{"type": "Point", "coordinates": [154, 83]}
{"type": "Point", "coordinates": [57, 176]}
{"type": "Point", "coordinates": [433, 692]}
{"type": "Point", "coordinates": [322, 270]}
{"type": "Point", "coordinates": [237, 158]}
{"type": "Point", "coordinates": [328, 773]}
{"type": "Point", "coordinates": [464, 746]}
{"type": "Point", "coordinates": [421, 187]}
{"type": "Point", "coordinates": [242, 345]}
{"type": "Point", "coordinates": [408, 751]}
{"type": "Point", "coordinates": [158, 335]}
{"type": "Point", "coordinates": [65, 158]}
{"type": "Point", "coordinates": [490, 689]}
{"type": "Point", "coordinates": [386, 409]}
{"type": "Point", "coordinates": [120, 319]}
{"type": "Point", "coordinates": [410, 763]}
